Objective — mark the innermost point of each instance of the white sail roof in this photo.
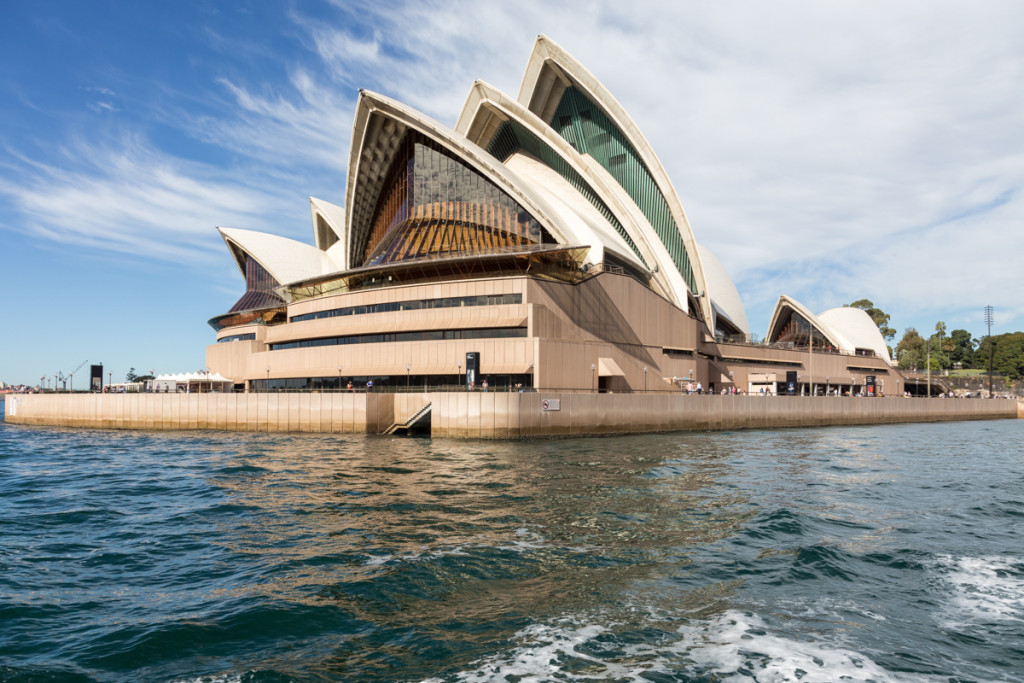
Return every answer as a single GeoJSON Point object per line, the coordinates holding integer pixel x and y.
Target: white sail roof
{"type": "Point", "coordinates": [286, 260]}
{"type": "Point", "coordinates": [724, 296]}
{"type": "Point", "coordinates": [857, 329]}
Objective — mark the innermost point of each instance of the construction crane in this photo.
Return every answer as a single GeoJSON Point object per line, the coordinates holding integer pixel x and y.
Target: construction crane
{"type": "Point", "coordinates": [71, 374]}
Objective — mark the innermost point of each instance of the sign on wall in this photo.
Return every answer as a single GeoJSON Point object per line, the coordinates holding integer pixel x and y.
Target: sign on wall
{"type": "Point", "coordinates": [549, 404]}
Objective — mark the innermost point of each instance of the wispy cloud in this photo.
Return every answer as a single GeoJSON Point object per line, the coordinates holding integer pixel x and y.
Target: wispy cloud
{"type": "Point", "coordinates": [101, 106]}
{"type": "Point", "coordinates": [128, 197]}
{"type": "Point", "coordinates": [306, 128]}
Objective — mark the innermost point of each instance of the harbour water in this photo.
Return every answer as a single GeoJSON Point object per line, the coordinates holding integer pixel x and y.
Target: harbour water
{"type": "Point", "coordinates": [882, 553]}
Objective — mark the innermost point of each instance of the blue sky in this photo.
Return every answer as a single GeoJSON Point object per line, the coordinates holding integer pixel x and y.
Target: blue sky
{"type": "Point", "coordinates": [828, 151]}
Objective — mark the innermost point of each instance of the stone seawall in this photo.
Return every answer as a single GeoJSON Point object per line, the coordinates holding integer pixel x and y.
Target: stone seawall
{"type": "Point", "coordinates": [491, 415]}
{"type": "Point", "coordinates": [336, 413]}
{"type": "Point", "coordinates": [524, 415]}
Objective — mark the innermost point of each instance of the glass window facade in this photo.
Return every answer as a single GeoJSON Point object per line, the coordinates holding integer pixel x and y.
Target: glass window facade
{"type": "Point", "coordinates": [513, 137]}
{"type": "Point", "coordinates": [424, 335]}
{"type": "Point", "coordinates": [432, 204]}
{"type": "Point", "coordinates": [325, 236]}
{"type": "Point", "coordinates": [796, 330]}
{"type": "Point", "coordinates": [590, 131]}
{"type": "Point", "coordinates": [259, 305]}
{"type": "Point", "coordinates": [259, 288]}
{"type": "Point", "coordinates": [414, 305]}
{"type": "Point", "coordinates": [391, 383]}
{"type": "Point", "coordinates": [251, 336]}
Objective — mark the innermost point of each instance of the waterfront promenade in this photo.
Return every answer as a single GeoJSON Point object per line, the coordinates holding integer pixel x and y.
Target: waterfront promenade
{"type": "Point", "coordinates": [489, 415]}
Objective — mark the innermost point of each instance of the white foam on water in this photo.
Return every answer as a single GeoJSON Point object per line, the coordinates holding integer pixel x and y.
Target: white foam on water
{"type": "Point", "coordinates": [830, 609]}
{"type": "Point", "coordinates": [739, 647]}
{"type": "Point", "coordinates": [523, 540]}
{"type": "Point", "coordinates": [734, 646]}
{"type": "Point", "coordinates": [541, 656]}
{"type": "Point", "coordinates": [382, 560]}
{"type": "Point", "coordinates": [219, 678]}
{"type": "Point", "coordinates": [983, 590]}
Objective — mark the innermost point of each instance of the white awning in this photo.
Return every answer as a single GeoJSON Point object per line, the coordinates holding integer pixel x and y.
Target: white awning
{"type": "Point", "coordinates": [606, 367]}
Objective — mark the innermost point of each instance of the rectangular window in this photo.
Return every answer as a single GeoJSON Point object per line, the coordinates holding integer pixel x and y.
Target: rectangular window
{"type": "Point", "coordinates": [425, 335]}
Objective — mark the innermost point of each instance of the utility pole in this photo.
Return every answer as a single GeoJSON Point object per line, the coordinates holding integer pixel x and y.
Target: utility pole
{"type": "Point", "coordinates": [991, 347]}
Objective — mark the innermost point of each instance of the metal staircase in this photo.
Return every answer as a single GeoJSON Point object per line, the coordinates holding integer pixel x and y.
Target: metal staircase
{"type": "Point", "coordinates": [421, 417]}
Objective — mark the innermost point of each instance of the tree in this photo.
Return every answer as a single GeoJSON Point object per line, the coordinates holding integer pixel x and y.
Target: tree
{"type": "Point", "coordinates": [962, 347]}
{"type": "Point", "coordinates": [910, 352]}
{"type": "Point", "coordinates": [1008, 356]}
{"type": "Point", "coordinates": [131, 376]}
{"type": "Point", "coordinates": [880, 317]}
{"type": "Point", "coordinates": [938, 348]}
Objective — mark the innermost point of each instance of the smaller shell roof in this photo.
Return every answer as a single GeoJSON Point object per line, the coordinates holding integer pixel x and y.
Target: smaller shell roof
{"type": "Point", "coordinates": [286, 260]}
{"type": "Point", "coordinates": [857, 328]}
{"type": "Point", "coordinates": [847, 328]}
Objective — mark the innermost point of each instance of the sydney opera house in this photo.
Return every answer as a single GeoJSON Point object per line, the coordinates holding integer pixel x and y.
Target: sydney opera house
{"type": "Point", "coordinates": [537, 244]}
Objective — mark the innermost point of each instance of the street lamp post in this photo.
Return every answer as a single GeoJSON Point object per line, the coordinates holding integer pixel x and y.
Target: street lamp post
{"type": "Point", "coordinates": [460, 375]}
{"type": "Point", "coordinates": [826, 386]}
{"type": "Point", "coordinates": [810, 360]}
{"type": "Point", "coordinates": [407, 369]}
{"type": "Point", "coordinates": [593, 377]}
{"type": "Point", "coordinates": [267, 368]}
{"type": "Point", "coordinates": [42, 383]}
{"type": "Point", "coordinates": [339, 378]}
{"type": "Point", "coordinates": [645, 379]}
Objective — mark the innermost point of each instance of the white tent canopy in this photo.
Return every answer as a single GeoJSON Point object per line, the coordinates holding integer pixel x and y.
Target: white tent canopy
{"type": "Point", "coordinates": [191, 382]}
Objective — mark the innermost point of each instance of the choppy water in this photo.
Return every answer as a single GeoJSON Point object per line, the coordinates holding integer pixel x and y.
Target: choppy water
{"type": "Point", "coordinates": [892, 553]}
